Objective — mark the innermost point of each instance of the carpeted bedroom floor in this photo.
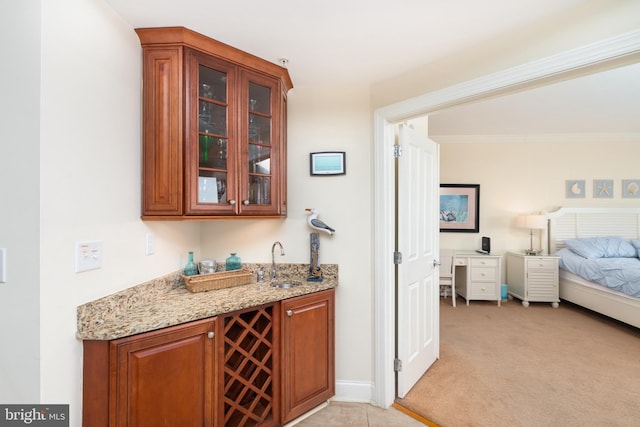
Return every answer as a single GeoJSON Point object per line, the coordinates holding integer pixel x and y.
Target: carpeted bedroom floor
{"type": "Point", "coordinates": [525, 367]}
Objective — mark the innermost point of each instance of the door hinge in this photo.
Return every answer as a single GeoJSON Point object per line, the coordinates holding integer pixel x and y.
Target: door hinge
{"type": "Point", "coordinates": [397, 257]}
{"type": "Point", "coordinates": [397, 365]}
{"type": "Point", "coordinates": [397, 151]}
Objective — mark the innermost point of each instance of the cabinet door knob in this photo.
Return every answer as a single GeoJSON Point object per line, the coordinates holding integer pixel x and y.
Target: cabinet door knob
{"type": "Point", "coordinates": [245, 202]}
{"type": "Point", "coordinates": [232, 202]}
{"type": "Point", "coordinates": [289, 313]}
{"type": "Point", "coordinates": [210, 335]}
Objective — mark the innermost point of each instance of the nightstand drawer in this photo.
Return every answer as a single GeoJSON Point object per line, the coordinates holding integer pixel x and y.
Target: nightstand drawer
{"type": "Point", "coordinates": [483, 274]}
{"type": "Point", "coordinates": [484, 262]}
{"type": "Point", "coordinates": [550, 263]}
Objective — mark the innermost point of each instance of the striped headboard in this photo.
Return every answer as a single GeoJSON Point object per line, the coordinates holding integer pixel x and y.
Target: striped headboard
{"type": "Point", "coordinates": [571, 223]}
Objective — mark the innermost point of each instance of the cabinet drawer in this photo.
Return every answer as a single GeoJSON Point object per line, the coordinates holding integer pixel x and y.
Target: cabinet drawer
{"type": "Point", "coordinates": [484, 262]}
{"type": "Point", "coordinates": [541, 263]}
{"type": "Point", "coordinates": [483, 290]}
{"type": "Point", "coordinates": [460, 261]}
{"type": "Point", "coordinates": [483, 274]}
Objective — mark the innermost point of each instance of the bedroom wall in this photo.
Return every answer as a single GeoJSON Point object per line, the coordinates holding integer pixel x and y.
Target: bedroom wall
{"type": "Point", "coordinates": [521, 178]}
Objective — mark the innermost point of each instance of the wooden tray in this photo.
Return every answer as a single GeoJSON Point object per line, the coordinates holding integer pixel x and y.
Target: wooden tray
{"type": "Point", "coordinates": [219, 280]}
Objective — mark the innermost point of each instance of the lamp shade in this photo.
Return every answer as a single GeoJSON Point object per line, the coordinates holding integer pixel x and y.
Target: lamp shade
{"type": "Point", "coordinates": [532, 222]}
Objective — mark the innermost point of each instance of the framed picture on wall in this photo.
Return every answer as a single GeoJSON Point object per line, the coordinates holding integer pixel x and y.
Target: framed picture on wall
{"type": "Point", "coordinates": [460, 208]}
{"type": "Point", "coordinates": [603, 189]}
{"type": "Point", "coordinates": [574, 189]}
{"type": "Point", "coordinates": [631, 188]}
{"type": "Point", "coordinates": [327, 163]}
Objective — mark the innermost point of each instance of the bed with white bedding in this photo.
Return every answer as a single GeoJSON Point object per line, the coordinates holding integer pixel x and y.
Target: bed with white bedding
{"type": "Point", "coordinates": [600, 264]}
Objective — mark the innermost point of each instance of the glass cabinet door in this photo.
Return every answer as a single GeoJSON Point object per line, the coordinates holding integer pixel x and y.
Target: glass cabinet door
{"type": "Point", "coordinates": [260, 158]}
{"type": "Point", "coordinates": [212, 135]}
{"type": "Point", "coordinates": [210, 187]}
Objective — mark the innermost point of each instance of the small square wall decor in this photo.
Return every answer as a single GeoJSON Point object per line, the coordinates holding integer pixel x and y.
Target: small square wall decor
{"type": "Point", "coordinates": [574, 188]}
{"type": "Point", "coordinates": [631, 188]}
{"type": "Point", "coordinates": [602, 188]}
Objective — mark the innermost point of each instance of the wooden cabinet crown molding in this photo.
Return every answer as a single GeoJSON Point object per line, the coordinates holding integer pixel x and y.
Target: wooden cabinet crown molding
{"type": "Point", "coordinates": [186, 37]}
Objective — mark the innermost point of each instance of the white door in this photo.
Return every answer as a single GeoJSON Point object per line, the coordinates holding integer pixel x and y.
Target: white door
{"type": "Point", "coordinates": [418, 228]}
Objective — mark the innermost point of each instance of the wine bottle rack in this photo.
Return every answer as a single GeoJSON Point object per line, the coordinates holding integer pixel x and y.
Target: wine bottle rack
{"type": "Point", "coordinates": [248, 368]}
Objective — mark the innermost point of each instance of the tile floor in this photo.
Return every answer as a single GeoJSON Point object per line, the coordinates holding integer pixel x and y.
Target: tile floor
{"type": "Point", "coordinates": [358, 415]}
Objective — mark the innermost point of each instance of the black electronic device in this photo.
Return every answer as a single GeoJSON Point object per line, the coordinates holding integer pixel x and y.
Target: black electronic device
{"type": "Point", "coordinates": [486, 246]}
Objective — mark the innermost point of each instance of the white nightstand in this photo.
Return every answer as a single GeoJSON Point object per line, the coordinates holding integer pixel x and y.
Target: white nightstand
{"type": "Point", "coordinates": [533, 278]}
{"type": "Point", "coordinates": [478, 276]}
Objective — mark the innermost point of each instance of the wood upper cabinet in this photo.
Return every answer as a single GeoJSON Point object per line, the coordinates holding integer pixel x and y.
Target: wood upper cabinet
{"type": "Point", "coordinates": [308, 340]}
{"type": "Point", "coordinates": [214, 129]}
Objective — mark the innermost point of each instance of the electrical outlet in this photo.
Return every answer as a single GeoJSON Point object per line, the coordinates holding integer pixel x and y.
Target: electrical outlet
{"type": "Point", "coordinates": [150, 244]}
{"type": "Point", "coordinates": [3, 265]}
{"type": "Point", "coordinates": [88, 256]}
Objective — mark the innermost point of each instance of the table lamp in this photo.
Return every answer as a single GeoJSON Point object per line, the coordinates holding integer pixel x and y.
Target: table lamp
{"type": "Point", "coordinates": [532, 222]}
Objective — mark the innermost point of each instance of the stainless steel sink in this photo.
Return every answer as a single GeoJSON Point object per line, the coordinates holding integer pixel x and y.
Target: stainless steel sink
{"type": "Point", "coordinates": [286, 284]}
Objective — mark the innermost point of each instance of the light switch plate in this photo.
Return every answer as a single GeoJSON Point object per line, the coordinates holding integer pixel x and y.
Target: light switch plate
{"type": "Point", "coordinates": [150, 242]}
{"type": "Point", "coordinates": [3, 265]}
{"type": "Point", "coordinates": [88, 256]}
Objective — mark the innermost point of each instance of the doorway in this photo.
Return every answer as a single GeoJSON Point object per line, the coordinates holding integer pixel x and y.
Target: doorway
{"type": "Point", "coordinates": [582, 60]}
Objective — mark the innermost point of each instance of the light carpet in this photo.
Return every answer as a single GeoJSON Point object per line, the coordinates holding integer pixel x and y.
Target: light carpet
{"type": "Point", "coordinates": [537, 366]}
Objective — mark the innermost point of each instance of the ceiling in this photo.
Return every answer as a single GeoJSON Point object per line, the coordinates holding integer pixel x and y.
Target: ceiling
{"type": "Point", "coordinates": [344, 41]}
{"type": "Point", "coordinates": [338, 42]}
{"type": "Point", "coordinates": [606, 103]}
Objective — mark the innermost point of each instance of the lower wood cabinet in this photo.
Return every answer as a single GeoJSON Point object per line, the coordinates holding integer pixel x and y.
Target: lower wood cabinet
{"type": "Point", "coordinates": [159, 378]}
{"type": "Point", "coordinates": [248, 376]}
{"type": "Point", "coordinates": [261, 366]}
{"type": "Point", "coordinates": [308, 368]}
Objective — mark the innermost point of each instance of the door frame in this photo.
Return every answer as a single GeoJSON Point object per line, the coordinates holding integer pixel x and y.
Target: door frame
{"type": "Point", "coordinates": [609, 53]}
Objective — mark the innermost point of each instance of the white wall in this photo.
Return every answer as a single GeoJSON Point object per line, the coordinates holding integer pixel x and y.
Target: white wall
{"type": "Point", "coordinates": [90, 181]}
{"type": "Point", "coordinates": [90, 190]}
{"type": "Point", "coordinates": [523, 178]}
{"type": "Point", "coordinates": [19, 195]}
{"type": "Point", "coordinates": [323, 119]}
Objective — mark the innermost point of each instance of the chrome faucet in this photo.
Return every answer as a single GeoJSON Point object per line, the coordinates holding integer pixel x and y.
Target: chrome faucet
{"type": "Point", "coordinates": [273, 258]}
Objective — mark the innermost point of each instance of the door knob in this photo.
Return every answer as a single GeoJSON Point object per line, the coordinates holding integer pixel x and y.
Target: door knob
{"type": "Point", "coordinates": [436, 262]}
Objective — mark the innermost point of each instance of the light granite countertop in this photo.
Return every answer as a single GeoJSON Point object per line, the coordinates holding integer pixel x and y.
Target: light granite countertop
{"type": "Point", "coordinates": [166, 302]}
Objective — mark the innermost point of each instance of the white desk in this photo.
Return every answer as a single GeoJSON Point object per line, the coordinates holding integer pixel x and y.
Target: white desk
{"type": "Point", "coordinates": [478, 276]}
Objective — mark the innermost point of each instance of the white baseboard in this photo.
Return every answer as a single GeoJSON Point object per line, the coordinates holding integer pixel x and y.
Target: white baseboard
{"type": "Point", "coordinates": [353, 391]}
